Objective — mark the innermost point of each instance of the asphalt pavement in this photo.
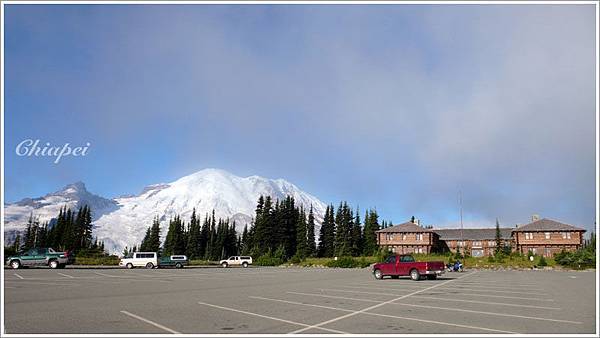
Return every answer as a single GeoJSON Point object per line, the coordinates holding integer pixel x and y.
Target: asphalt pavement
{"type": "Point", "coordinates": [296, 300]}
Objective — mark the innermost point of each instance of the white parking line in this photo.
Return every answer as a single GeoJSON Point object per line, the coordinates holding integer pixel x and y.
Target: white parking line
{"type": "Point", "coordinates": [497, 296]}
{"type": "Point", "coordinates": [497, 291]}
{"type": "Point", "coordinates": [447, 309]}
{"type": "Point", "coordinates": [508, 284]}
{"type": "Point", "coordinates": [64, 274]}
{"type": "Point", "coordinates": [272, 318]}
{"type": "Point", "coordinates": [457, 288]}
{"type": "Point", "coordinates": [431, 298]}
{"type": "Point", "coordinates": [490, 313]}
{"type": "Point", "coordinates": [105, 275]}
{"type": "Point", "coordinates": [20, 277]}
{"type": "Point", "coordinates": [377, 305]}
{"type": "Point", "coordinates": [384, 315]}
{"type": "Point", "coordinates": [162, 327]}
{"type": "Point", "coordinates": [490, 303]}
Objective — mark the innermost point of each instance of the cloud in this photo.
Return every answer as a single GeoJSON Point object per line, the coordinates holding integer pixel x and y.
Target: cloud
{"type": "Point", "coordinates": [410, 104]}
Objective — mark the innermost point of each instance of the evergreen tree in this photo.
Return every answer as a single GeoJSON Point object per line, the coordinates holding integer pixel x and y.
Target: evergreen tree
{"type": "Point", "coordinates": [369, 234]}
{"type": "Point", "coordinates": [327, 234]}
{"type": "Point", "coordinates": [301, 235]}
{"type": "Point", "coordinates": [343, 235]}
{"type": "Point", "coordinates": [29, 241]}
{"type": "Point", "coordinates": [244, 245]}
{"type": "Point", "coordinates": [125, 252]}
{"type": "Point", "coordinates": [311, 247]}
{"type": "Point", "coordinates": [356, 236]}
{"type": "Point", "coordinates": [154, 239]}
{"type": "Point", "coordinates": [498, 238]}
{"type": "Point", "coordinates": [194, 234]}
{"type": "Point", "coordinates": [175, 240]}
{"type": "Point", "coordinates": [145, 241]}
{"type": "Point", "coordinates": [17, 244]}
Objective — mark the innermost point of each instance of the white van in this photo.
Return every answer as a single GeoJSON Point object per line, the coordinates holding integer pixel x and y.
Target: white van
{"type": "Point", "coordinates": [140, 259]}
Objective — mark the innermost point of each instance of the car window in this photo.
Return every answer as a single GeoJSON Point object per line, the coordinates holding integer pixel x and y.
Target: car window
{"type": "Point", "coordinates": [32, 252]}
{"type": "Point", "coordinates": [391, 259]}
{"type": "Point", "coordinates": [50, 250]}
{"type": "Point", "coordinates": [41, 251]}
{"type": "Point", "coordinates": [407, 259]}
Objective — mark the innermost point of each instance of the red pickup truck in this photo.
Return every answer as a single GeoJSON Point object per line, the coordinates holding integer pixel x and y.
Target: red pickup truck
{"type": "Point", "coordinates": [405, 265]}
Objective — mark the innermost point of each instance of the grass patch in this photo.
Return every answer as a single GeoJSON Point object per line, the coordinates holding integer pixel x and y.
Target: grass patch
{"type": "Point", "coordinates": [103, 260]}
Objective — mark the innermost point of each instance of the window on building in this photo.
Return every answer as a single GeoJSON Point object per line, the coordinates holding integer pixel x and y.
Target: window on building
{"type": "Point", "coordinates": [460, 243]}
{"type": "Point", "coordinates": [547, 252]}
{"type": "Point", "coordinates": [419, 237]}
{"type": "Point", "coordinates": [477, 243]}
{"type": "Point", "coordinates": [491, 243]}
{"type": "Point", "coordinates": [529, 235]}
{"type": "Point", "coordinates": [403, 237]}
{"type": "Point", "coordinates": [389, 237]}
{"type": "Point", "coordinates": [566, 235]}
{"type": "Point", "coordinates": [547, 234]}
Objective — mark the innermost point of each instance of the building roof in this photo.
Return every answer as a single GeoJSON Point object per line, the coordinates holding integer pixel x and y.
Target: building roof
{"type": "Point", "coordinates": [472, 234]}
{"type": "Point", "coordinates": [545, 224]}
{"type": "Point", "coordinates": [405, 227]}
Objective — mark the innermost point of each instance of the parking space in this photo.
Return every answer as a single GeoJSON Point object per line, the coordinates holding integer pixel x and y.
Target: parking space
{"type": "Point", "coordinates": [289, 300]}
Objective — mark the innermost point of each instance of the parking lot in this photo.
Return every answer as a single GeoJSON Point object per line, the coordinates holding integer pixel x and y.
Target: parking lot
{"type": "Point", "coordinates": [289, 300]}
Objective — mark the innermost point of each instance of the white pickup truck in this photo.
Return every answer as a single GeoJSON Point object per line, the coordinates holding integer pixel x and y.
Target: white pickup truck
{"type": "Point", "coordinates": [236, 260]}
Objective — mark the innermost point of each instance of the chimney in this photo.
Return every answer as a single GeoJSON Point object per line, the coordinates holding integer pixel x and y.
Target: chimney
{"type": "Point", "coordinates": [535, 217]}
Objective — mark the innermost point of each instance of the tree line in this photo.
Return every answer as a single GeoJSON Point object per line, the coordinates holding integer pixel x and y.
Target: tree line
{"type": "Point", "coordinates": [279, 226]}
{"type": "Point", "coordinates": [69, 231]}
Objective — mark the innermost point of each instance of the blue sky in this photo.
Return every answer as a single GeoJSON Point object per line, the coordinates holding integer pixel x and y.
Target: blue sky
{"type": "Point", "coordinates": [394, 107]}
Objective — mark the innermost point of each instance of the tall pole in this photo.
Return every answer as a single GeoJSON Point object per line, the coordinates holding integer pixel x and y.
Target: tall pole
{"type": "Point", "coordinates": [462, 240]}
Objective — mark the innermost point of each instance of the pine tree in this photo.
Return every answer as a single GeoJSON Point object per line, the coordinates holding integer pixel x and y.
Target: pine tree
{"type": "Point", "coordinates": [194, 234]}
{"type": "Point", "coordinates": [154, 239]}
{"type": "Point", "coordinates": [498, 238]}
{"type": "Point", "coordinates": [17, 244]}
{"type": "Point", "coordinates": [311, 247]}
{"type": "Point", "coordinates": [301, 235]}
{"type": "Point", "coordinates": [369, 234]}
{"type": "Point", "coordinates": [204, 236]}
{"type": "Point", "coordinates": [145, 241]}
{"type": "Point", "coordinates": [356, 236]}
{"type": "Point", "coordinates": [343, 236]}
{"type": "Point", "coordinates": [29, 241]}
{"type": "Point", "coordinates": [327, 234]}
{"type": "Point", "coordinates": [125, 252]}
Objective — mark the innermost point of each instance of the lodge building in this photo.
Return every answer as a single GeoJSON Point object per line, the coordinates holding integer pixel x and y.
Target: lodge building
{"type": "Point", "coordinates": [542, 236]}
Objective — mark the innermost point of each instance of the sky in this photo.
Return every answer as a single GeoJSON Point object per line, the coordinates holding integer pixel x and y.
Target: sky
{"type": "Point", "coordinates": [395, 107]}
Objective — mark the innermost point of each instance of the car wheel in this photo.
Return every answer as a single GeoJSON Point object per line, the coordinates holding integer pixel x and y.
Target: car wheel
{"type": "Point", "coordinates": [224, 264]}
{"type": "Point", "coordinates": [245, 264]}
{"type": "Point", "coordinates": [178, 266]}
{"type": "Point", "coordinates": [15, 264]}
{"type": "Point", "coordinates": [414, 274]}
{"type": "Point", "coordinates": [149, 265]}
{"type": "Point", "coordinates": [53, 264]}
{"type": "Point", "coordinates": [378, 274]}
{"type": "Point", "coordinates": [129, 266]}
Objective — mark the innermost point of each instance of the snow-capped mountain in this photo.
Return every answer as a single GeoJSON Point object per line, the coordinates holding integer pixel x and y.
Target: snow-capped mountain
{"type": "Point", "coordinates": [47, 207]}
{"type": "Point", "coordinates": [123, 221]}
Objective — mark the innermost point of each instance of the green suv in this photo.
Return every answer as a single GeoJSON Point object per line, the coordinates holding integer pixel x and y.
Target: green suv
{"type": "Point", "coordinates": [40, 256]}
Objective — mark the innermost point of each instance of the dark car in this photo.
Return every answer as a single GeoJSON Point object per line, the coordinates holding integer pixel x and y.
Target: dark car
{"type": "Point", "coordinates": [40, 257]}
